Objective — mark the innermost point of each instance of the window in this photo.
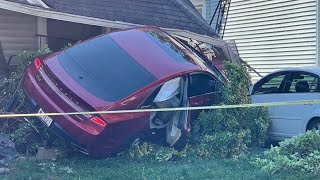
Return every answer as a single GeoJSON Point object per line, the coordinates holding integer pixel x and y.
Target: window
{"type": "Point", "coordinates": [203, 84]}
{"type": "Point", "coordinates": [301, 82]}
{"type": "Point", "coordinates": [164, 92]}
{"type": "Point", "coordinates": [271, 84]}
{"type": "Point", "coordinates": [105, 69]}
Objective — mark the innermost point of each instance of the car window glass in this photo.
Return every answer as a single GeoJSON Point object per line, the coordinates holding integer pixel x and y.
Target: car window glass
{"type": "Point", "coordinates": [105, 69]}
{"type": "Point", "coordinates": [272, 84]}
{"type": "Point", "coordinates": [148, 101]}
{"type": "Point", "coordinates": [202, 84]}
{"type": "Point", "coordinates": [303, 82]}
{"type": "Point", "coordinates": [163, 92]}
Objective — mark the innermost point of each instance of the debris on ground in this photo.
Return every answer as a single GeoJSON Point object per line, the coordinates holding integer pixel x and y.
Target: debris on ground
{"type": "Point", "coordinates": [7, 150]}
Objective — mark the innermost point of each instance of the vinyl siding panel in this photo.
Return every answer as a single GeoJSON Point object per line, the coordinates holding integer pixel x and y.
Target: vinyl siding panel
{"type": "Point", "coordinates": [273, 34]}
{"type": "Point", "coordinates": [17, 32]}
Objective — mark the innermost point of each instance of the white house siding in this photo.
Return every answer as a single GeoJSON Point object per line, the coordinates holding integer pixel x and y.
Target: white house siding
{"type": "Point", "coordinates": [273, 34]}
{"type": "Point", "coordinates": [17, 32]}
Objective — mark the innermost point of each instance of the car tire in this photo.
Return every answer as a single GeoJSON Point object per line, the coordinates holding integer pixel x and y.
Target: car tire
{"type": "Point", "coordinates": [314, 125]}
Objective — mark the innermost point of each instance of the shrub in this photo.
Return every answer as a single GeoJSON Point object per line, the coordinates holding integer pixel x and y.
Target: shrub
{"type": "Point", "coordinates": [12, 84]}
{"type": "Point", "coordinates": [26, 133]}
{"type": "Point", "coordinates": [250, 124]}
{"type": "Point", "coordinates": [300, 154]}
{"type": "Point", "coordinates": [222, 144]}
{"type": "Point", "coordinates": [140, 149]}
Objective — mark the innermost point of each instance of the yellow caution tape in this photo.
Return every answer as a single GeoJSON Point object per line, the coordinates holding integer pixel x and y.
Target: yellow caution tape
{"type": "Point", "coordinates": [12, 115]}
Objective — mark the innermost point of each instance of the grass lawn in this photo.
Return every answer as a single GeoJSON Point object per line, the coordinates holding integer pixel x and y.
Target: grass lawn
{"type": "Point", "coordinates": [81, 167]}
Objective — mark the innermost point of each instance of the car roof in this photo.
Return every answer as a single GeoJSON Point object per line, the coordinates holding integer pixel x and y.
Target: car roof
{"type": "Point", "coordinates": [311, 69]}
{"type": "Point", "coordinates": [148, 53]}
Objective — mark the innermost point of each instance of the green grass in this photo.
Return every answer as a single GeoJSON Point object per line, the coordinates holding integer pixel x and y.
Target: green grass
{"type": "Point", "coordinates": [126, 168]}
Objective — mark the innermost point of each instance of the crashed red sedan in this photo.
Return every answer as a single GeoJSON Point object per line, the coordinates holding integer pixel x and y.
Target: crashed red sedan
{"type": "Point", "coordinates": [137, 68]}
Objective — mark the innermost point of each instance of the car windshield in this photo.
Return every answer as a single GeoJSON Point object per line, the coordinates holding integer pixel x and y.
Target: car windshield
{"type": "Point", "coordinates": [104, 69]}
{"type": "Point", "coordinates": [181, 53]}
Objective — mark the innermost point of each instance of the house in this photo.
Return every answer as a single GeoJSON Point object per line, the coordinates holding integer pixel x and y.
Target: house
{"type": "Point", "coordinates": [206, 9]}
{"type": "Point", "coordinates": [272, 34]}
{"type": "Point", "coordinates": [275, 34]}
{"type": "Point", "coordinates": [28, 24]}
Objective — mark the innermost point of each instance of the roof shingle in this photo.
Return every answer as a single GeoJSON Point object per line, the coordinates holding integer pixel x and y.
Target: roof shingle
{"type": "Point", "coordinates": [175, 14]}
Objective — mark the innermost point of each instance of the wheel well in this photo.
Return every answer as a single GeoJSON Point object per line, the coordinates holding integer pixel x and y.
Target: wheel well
{"type": "Point", "coordinates": [310, 121]}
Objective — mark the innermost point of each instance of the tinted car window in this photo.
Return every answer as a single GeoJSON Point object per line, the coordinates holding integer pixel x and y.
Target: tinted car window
{"type": "Point", "coordinates": [303, 82]}
{"type": "Point", "coordinates": [165, 42]}
{"type": "Point", "coordinates": [203, 84]}
{"type": "Point", "coordinates": [104, 69]}
{"type": "Point", "coordinates": [182, 53]}
{"type": "Point", "coordinates": [271, 84]}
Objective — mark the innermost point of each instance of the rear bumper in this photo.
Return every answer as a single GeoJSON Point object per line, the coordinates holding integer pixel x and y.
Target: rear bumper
{"type": "Point", "coordinates": [80, 134]}
{"type": "Point", "coordinates": [86, 135]}
{"type": "Point", "coordinates": [55, 127]}
{"type": "Point", "coordinates": [58, 130]}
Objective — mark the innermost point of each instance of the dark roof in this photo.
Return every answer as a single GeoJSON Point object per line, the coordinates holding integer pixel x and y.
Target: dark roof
{"type": "Point", "coordinates": [175, 14]}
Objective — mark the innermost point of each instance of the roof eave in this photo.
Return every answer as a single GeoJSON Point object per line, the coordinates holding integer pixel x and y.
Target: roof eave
{"type": "Point", "coordinates": [49, 13]}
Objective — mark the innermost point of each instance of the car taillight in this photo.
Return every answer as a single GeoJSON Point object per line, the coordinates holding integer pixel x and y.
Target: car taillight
{"type": "Point", "coordinates": [98, 121]}
{"type": "Point", "coordinates": [37, 63]}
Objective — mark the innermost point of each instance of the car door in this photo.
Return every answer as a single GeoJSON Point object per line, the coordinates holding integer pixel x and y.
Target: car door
{"type": "Point", "coordinates": [290, 120]}
{"type": "Point", "coordinates": [178, 125]}
{"type": "Point", "coordinates": [204, 90]}
{"type": "Point", "coordinates": [267, 90]}
{"type": "Point", "coordinates": [287, 120]}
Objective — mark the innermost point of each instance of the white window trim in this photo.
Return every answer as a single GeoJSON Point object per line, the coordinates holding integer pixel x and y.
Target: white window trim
{"type": "Point", "coordinates": [38, 2]}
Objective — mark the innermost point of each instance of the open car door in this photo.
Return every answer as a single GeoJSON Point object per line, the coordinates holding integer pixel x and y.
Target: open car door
{"type": "Point", "coordinates": [178, 126]}
{"type": "Point", "coordinates": [172, 94]}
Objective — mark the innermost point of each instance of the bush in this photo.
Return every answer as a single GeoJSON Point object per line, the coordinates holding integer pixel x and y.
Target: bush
{"type": "Point", "coordinates": [26, 133]}
{"type": "Point", "coordinates": [222, 144]}
{"type": "Point", "coordinates": [300, 154]}
{"type": "Point", "coordinates": [241, 127]}
{"type": "Point", "coordinates": [141, 149]}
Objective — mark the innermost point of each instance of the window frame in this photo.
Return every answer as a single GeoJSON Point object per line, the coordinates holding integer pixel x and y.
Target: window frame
{"type": "Point", "coordinates": [157, 88]}
{"type": "Point", "coordinates": [317, 90]}
{"type": "Point", "coordinates": [285, 82]}
{"type": "Point", "coordinates": [217, 90]}
{"type": "Point", "coordinates": [267, 78]}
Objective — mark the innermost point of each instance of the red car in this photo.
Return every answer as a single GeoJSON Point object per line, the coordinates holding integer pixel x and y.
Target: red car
{"type": "Point", "coordinates": [137, 68]}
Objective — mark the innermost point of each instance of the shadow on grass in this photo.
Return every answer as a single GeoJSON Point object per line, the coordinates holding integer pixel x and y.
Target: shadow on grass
{"type": "Point", "coordinates": [79, 166]}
